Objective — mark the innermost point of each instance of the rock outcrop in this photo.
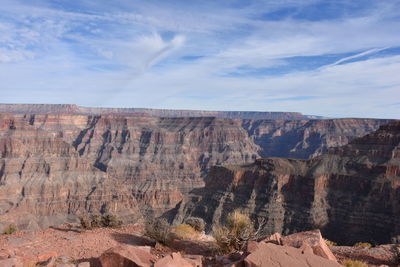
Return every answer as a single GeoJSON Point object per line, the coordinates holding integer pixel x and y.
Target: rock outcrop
{"type": "Point", "coordinates": [351, 193]}
{"type": "Point", "coordinates": [56, 166]}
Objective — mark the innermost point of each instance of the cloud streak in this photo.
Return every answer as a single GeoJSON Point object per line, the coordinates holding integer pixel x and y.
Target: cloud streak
{"type": "Point", "coordinates": [244, 55]}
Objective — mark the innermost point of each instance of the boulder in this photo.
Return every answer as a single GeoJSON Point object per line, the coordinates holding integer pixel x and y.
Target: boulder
{"type": "Point", "coordinates": [271, 255]}
{"type": "Point", "coordinates": [313, 239]}
{"type": "Point", "coordinates": [173, 260]}
{"type": "Point", "coordinates": [126, 256]}
{"type": "Point", "coordinates": [381, 255]}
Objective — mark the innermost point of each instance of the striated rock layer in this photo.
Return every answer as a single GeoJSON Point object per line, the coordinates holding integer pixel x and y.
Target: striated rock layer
{"type": "Point", "coordinates": [352, 193]}
{"type": "Point", "coordinates": [172, 113]}
{"type": "Point", "coordinates": [54, 166]}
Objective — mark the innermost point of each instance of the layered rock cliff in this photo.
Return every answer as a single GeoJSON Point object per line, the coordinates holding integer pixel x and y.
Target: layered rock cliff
{"type": "Point", "coordinates": [352, 193]}
{"type": "Point", "coordinates": [56, 165]}
{"type": "Point", "coordinates": [170, 113]}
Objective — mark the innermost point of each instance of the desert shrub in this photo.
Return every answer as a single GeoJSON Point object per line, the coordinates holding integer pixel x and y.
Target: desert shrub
{"type": "Point", "coordinates": [158, 229]}
{"type": "Point", "coordinates": [197, 223]}
{"type": "Point", "coordinates": [330, 243]}
{"type": "Point", "coordinates": [95, 221]}
{"type": "Point", "coordinates": [109, 220]}
{"type": "Point", "coordinates": [10, 229]}
{"type": "Point", "coordinates": [353, 263]}
{"type": "Point", "coordinates": [185, 232]}
{"type": "Point", "coordinates": [362, 244]}
{"type": "Point", "coordinates": [234, 235]}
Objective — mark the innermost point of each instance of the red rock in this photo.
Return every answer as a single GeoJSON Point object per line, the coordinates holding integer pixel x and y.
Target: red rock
{"type": "Point", "coordinates": [381, 255]}
{"type": "Point", "coordinates": [173, 260]}
{"type": "Point", "coordinates": [194, 260]}
{"type": "Point", "coordinates": [126, 256]}
{"type": "Point", "coordinates": [46, 256]}
{"type": "Point", "coordinates": [271, 255]}
{"type": "Point", "coordinates": [251, 246]}
{"type": "Point", "coordinates": [311, 238]}
{"type": "Point", "coordinates": [275, 239]}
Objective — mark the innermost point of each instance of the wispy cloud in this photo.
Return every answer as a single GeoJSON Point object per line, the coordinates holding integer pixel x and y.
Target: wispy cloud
{"type": "Point", "coordinates": [230, 55]}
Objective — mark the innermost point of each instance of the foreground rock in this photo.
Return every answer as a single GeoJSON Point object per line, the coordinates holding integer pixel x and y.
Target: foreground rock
{"type": "Point", "coordinates": [271, 255]}
{"type": "Point", "coordinates": [380, 255]}
{"type": "Point", "coordinates": [312, 239]}
{"type": "Point", "coordinates": [125, 256]}
{"type": "Point", "coordinates": [173, 260]}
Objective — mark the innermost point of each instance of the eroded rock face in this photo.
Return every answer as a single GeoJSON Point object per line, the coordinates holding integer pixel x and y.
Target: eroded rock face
{"type": "Point", "coordinates": [55, 166]}
{"type": "Point", "coordinates": [352, 193]}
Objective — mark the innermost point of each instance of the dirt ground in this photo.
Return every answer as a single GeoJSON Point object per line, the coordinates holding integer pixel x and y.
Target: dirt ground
{"type": "Point", "coordinates": [78, 244]}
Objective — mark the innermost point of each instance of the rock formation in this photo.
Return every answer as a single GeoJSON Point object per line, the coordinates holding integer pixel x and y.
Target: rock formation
{"type": "Point", "coordinates": [55, 166]}
{"type": "Point", "coordinates": [171, 113]}
{"type": "Point", "coordinates": [351, 193]}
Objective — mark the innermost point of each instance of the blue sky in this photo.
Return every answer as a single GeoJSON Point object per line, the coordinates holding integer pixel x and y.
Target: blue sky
{"type": "Point", "coordinates": [334, 58]}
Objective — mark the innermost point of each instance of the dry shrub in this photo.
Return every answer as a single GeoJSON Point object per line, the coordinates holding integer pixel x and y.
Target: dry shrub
{"type": "Point", "coordinates": [234, 235]}
{"type": "Point", "coordinates": [330, 243]}
{"type": "Point", "coordinates": [362, 244]}
{"type": "Point", "coordinates": [95, 221]}
{"type": "Point", "coordinates": [158, 229]}
{"type": "Point", "coordinates": [353, 263]}
{"type": "Point", "coordinates": [185, 232]}
{"type": "Point", "coordinates": [109, 220]}
{"type": "Point", "coordinates": [198, 224]}
{"type": "Point", "coordinates": [10, 229]}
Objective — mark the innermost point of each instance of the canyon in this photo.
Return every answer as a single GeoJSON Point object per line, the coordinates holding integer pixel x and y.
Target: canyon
{"type": "Point", "coordinates": [351, 193]}
{"type": "Point", "coordinates": [61, 161]}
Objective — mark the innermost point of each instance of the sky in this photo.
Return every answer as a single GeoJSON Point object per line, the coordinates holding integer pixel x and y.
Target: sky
{"type": "Point", "coordinates": [334, 58]}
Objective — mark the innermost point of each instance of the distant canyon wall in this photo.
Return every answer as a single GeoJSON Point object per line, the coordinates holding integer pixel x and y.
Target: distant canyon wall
{"type": "Point", "coordinates": [351, 193]}
{"type": "Point", "coordinates": [54, 166]}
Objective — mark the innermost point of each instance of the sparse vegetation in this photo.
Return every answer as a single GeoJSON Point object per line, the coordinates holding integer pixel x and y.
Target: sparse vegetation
{"type": "Point", "coordinates": [159, 230]}
{"type": "Point", "coordinates": [185, 232]}
{"type": "Point", "coordinates": [10, 229]}
{"type": "Point", "coordinates": [109, 220]}
{"type": "Point", "coordinates": [362, 244]}
{"type": "Point", "coordinates": [198, 224]}
{"type": "Point", "coordinates": [354, 263]}
{"type": "Point", "coordinates": [330, 243]}
{"type": "Point", "coordinates": [235, 233]}
{"type": "Point", "coordinates": [95, 221]}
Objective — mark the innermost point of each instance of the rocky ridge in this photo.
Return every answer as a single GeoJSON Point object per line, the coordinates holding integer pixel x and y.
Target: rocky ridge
{"type": "Point", "coordinates": [171, 113]}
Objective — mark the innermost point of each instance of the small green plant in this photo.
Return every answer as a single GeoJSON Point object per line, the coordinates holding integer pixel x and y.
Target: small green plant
{"type": "Point", "coordinates": [353, 263]}
{"type": "Point", "coordinates": [362, 244]}
{"type": "Point", "coordinates": [185, 232]}
{"type": "Point", "coordinates": [159, 230]}
{"type": "Point", "coordinates": [330, 243]}
{"type": "Point", "coordinates": [10, 229]}
{"type": "Point", "coordinates": [235, 233]}
{"type": "Point", "coordinates": [197, 223]}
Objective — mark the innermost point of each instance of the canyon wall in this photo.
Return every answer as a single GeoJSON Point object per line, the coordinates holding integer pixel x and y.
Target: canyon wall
{"type": "Point", "coordinates": [171, 113]}
{"type": "Point", "coordinates": [55, 166]}
{"type": "Point", "coordinates": [352, 193]}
